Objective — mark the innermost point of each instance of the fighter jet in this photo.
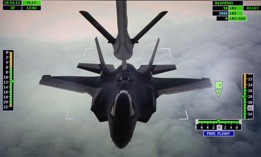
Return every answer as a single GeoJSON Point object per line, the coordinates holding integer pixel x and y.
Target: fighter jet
{"type": "Point", "coordinates": [124, 95]}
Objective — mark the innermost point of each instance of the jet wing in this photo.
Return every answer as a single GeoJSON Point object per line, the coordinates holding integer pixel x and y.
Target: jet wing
{"type": "Point", "coordinates": [177, 85]}
{"type": "Point", "coordinates": [72, 83]}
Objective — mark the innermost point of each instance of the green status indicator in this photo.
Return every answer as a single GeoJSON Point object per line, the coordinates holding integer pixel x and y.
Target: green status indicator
{"type": "Point", "coordinates": [22, 4]}
{"type": "Point", "coordinates": [252, 8]}
{"type": "Point", "coordinates": [242, 18]}
{"type": "Point", "coordinates": [236, 13]}
{"type": "Point", "coordinates": [31, 2]}
{"type": "Point", "coordinates": [218, 87]}
{"type": "Point", "coordinates": [235, 7]}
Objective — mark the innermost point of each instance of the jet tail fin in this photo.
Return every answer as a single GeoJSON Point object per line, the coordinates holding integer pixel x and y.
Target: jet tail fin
{"type": "Point", "coordinates": [148, 27]}
{"type": "Point", "coordinates": [98, 26]}
{"type": "Point", "coordinates": [149, 68]}
{"type": "Point", "coordinates": [103, 65]}
{"type": "Point", "coordinates": [156, 69]}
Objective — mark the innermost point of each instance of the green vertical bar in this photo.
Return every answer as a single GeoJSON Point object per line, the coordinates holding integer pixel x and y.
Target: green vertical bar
{"type": "Point", "coordinates": [11, 79]}
{"type": "Point", "coordinates": [10, 85]}
{"type": "Point", "coordinates": [245, 95]}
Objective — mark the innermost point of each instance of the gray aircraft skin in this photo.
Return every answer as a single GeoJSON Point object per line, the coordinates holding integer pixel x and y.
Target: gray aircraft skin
{"type": "Point", "coordinates": [124, 95]}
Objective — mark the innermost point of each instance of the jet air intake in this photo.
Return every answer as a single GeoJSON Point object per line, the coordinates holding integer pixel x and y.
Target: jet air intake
{"type": "Point", "coordinates": [122, 107]}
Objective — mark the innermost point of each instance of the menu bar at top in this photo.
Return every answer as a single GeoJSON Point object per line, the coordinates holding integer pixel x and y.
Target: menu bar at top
{"type": "Point", "coordinates": [22, 4]}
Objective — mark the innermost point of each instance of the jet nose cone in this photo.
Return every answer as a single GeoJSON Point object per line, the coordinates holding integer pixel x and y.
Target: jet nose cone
{"type": "Point", "coordinates": [121, 144]}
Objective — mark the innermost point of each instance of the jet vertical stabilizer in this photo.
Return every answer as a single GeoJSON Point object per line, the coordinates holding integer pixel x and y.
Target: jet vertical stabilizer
{"type": "Point", "coordinates": [103, 66]}
{"type": "Point", "coordinates": [153, 56]}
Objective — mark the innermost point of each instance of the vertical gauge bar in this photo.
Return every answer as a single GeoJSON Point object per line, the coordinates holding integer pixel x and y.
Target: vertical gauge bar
{"type": "Point", "coordinates": [244, 97]}
{"type": "Point", "coordinates": [8, 80]}
{"type": "Point", "coordinates": [248, 96]}
{"type": "Point", "coordinates": [11, 79]}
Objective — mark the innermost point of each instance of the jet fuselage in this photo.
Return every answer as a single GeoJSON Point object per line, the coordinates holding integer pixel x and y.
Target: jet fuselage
{"type": "Point", "coordinates": [126, 96]}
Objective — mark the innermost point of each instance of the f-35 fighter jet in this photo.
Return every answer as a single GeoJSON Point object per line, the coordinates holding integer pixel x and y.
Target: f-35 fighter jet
{"type": "Point", "coordinates": [124, 95]}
